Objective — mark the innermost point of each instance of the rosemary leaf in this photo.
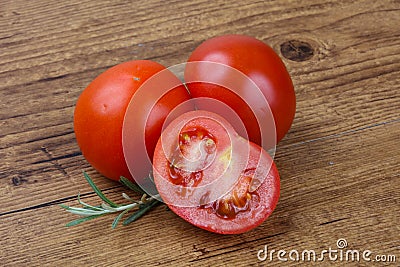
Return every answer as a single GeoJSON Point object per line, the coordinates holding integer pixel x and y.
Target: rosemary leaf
{"type": "Point", "coordinates": [136, 215]}
{"type": "Point", "coordinates": [81, 220]}
{"type": "Point", "coordinates": [98, 191]}
{"type": "Point", "coordinates": [126, 182]}
{"type": "Point", "coordinates": [118, 218]}
{"type": "Point", "coordinates": [93, 208]}
{"type": "Point", "coordinates": [124, 195]}
{"type": "Point", "coordinates": [87, 206]}
{"type": "Point", "coordinates": [108, 207]}
{"type": "Point", "coordinates": [83, 211]}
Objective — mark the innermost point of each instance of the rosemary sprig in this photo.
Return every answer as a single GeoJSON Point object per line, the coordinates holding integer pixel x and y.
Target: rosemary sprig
{"type": "Point", "coordinates": [89, 212]}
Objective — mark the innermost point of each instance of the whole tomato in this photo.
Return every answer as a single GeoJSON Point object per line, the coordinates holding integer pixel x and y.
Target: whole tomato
{"type": "Point", "coordinates": [100, 111]}
{"type": "Point", "coordinates": [258, 62]}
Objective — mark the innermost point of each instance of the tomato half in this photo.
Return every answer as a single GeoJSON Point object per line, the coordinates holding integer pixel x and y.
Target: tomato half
{"type": "Point", "coordinates": [260, 63]}
{"type": "Point", "coordinates": [100, 110]}
{"type": "Point", "coordinates": [213, 178]}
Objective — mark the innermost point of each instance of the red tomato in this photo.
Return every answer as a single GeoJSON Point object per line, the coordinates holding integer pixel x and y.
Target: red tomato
{"type": "Point", "coordinates": [261, 64]}
{"type": "Point", "coordinates": [213, 178]}
{"type": "Point", "coordinates": [100, 111]}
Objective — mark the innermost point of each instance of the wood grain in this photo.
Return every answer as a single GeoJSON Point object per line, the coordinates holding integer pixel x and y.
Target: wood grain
{"type": "Point", "coordinates": [340, 162]}
{"type": "Point", "coordinates": [323, 198]}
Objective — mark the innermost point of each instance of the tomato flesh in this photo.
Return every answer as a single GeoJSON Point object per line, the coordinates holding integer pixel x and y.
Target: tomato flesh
{"type": "Point", "coordinates": [235, 201]}
{"type": "Point", "coordinates": [188, 171]}
{"type": "Point", "coordinates": [189, 141]}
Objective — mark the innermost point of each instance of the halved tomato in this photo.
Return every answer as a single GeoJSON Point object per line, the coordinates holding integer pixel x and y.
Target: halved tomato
{"type": "Point", "coordinates": [213, 178]}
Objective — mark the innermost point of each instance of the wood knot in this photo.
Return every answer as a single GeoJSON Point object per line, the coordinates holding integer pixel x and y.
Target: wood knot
{"type": "Point", "coordinates": [297, 50]}
{"type": "Point", "coordinates": [16, 181]}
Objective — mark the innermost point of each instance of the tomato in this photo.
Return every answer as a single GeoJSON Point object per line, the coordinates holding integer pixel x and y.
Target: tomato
{"type": "Point", "coordinates": [100, 110]}
{"type": "Point", "coordinates": [213, 178]}
{"type": "Point", "coordinates": [258, 62]}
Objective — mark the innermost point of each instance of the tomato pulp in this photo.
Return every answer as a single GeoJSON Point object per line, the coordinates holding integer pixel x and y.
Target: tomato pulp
{"type": "Point", "coordinates": [213, 178]}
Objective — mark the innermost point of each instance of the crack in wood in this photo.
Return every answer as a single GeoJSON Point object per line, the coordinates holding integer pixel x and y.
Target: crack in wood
{"type": "Point", "coordinates": [48, 79]}
{"type": "Point", "coordinates": [351, 17]}
{"type": "Point", "coordinates": [18, 174]}
{"type": "Point", "coordinates": [353, 80]}
{"type": "Point", "coordinates": [16, 116]}
{"type": "Point", "coordinates": [333, 221]}
{"type": "Point", "coordinates": [7, 37]}
{"type": "Point", "coordinates": [368, 77]}
{"type": "Point", "coordinates": [54, 160]}
{"type": "Point", "coordinates": [49, 137]}
{"type": "Point", "coordinates": [44, 80]}
{"type": "Point", "coordinates": [42, 205]}
{"type": "Point", "coordinates": [58, 201]}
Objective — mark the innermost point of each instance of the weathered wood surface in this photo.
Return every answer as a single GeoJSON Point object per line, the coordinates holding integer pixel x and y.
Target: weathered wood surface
{"type": "Point", "coordinates": [340, 162]}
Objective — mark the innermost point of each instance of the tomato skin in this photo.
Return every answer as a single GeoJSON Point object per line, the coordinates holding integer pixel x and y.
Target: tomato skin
{"type": "Point", "coordinates": [261, 64]}
{"type": "Point", "coordinates": [263, 200]}
{"type": "Point", "coordinates": [100, 111]}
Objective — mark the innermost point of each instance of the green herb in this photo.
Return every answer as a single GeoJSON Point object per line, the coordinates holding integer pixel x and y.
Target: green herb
{"type": "Point", "coordinates": [89, 212]}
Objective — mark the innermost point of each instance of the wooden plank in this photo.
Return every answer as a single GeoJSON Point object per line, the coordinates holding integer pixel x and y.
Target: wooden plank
{"type": "Point", "coordinates": [321, 201]}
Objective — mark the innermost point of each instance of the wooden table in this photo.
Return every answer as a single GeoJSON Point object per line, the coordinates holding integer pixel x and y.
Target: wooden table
{"type": "Point", "coordinates": [339, 164]}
